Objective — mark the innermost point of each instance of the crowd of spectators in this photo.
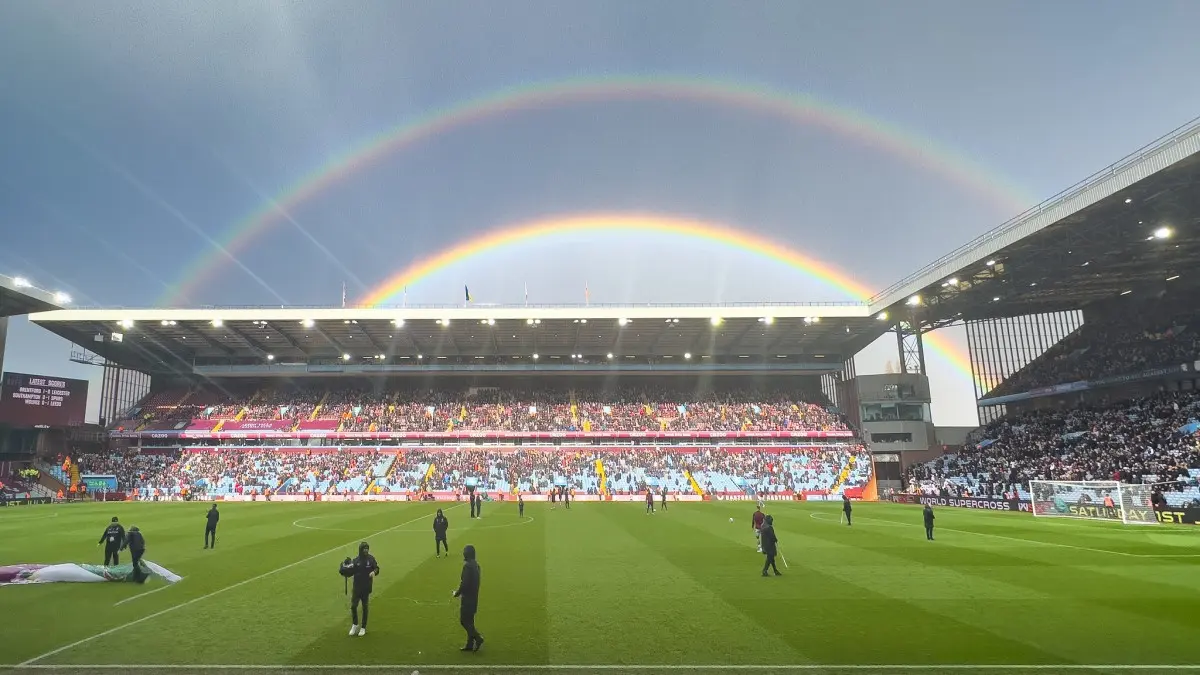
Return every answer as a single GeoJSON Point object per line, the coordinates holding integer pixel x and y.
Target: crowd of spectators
{"type": "Point", "coordinates": [1124, 344]}
{"type": "Point", "coordinates": [1146, 440]}
{"type": "Point", "coordinates": [242, 470]}
{"type": "Point", "coordinates": [364, 408]}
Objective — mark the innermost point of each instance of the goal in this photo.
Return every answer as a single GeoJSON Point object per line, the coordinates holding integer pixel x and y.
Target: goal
{"type": "Point", "coordinates": [1130, 504]}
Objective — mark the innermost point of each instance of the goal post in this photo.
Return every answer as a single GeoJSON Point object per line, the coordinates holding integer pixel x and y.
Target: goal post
{"type": "Point", "coordinates": [1093, 500]}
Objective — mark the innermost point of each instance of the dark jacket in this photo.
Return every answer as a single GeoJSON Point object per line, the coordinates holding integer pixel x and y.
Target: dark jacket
{"type": "Point", "coordinates": [768, 539]}
{"type": "Point", "coordinates": [113, 537]}
{"type": "Point", "coordinates": [928, 517]}
{"type": "Point", "coordinates": [846, 505]}
{"type": "Point", "coordinates": [361, 569]}
{"type": "Point", "coordinates": [468, 586]}
{"type": "Point", "coordinates": [213, 517]}
{"type": "Point", "coordinates": [136, 542]}
{"type": "Point", "coordinates": [440, 525]}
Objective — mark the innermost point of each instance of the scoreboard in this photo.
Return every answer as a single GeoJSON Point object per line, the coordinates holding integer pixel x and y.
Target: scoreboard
{"type": "Point", "coordinates": [39, 400]}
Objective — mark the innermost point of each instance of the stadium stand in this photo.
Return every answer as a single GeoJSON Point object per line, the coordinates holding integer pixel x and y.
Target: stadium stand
{"type": "Point", "coordinates": [1139, 337]}
{"type": "Point", "coordinates": [1145, 440]}
{"type": "Point", "coordinates": [744, 471]}
{"type": "Point", "coordinates": [357, 407]}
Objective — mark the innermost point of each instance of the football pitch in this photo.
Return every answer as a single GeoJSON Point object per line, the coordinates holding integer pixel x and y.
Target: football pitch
{"type": "Point", "coordinates": [605, 587]}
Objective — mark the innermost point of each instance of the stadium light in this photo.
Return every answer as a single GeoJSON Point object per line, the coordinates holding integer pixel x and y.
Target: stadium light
{"type": "Point", "coordinates": [62, 298]}
{"type": "Point", "coordinates": [1173, 278]}
{"type": "Point", "coordinates": [583, 321]}
{"type": "Point", "coordinates": [535, 357]}
{"type": "Point", "coordinates": [716, 321]}
{"type": "Point", "coordinates": [308, 323]}
{"type": "Point", "coordinates": [217, 323]}
{"type": "Point", "coordinates": [419, 357]}
{"type": "Point", "coordinates": [882, 316]}
{"type": "Point", "coordinates": [1128, 200]}
{"type": "Point", "coordinates": [610, 355]}
{"type": "Point", "coordinates": [1126, 292]}
{"type": "Point", "coordinates": [125, 323]}
{"type": "Point", "coordinates": [687, 355]}
{"type": "Point", "coordinates": [767, 320]}
{"type": "Point", "coordinates": [345, 357]}
{"type": "Point", "coordinates": [346, 321]}
{"type": "Point", "coordinates": [270, 357]}
{"type": "Point", "coordinates": [996, 299]}
{"type": "Point", "coordinates": [491, 322]}
{"type": "Point", "coordinates": [990, 263]}
{"type": "Point", "coordinates": [622, 321]}
{"type": "Point", "coordinates": [22, 282]}
{"type": "Point", "coordinates": [914, 300]}
{"type": "Point", "coordinates": [398, 323]}
{"type": "Point", "coordinates": [1162, 233]}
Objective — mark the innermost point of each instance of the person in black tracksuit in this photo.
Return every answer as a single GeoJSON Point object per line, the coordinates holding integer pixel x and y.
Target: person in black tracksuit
{"type": "Point", "coordinates": [846, 508]}
{"type": "Point", "coordinates": [113, 540]}
{"type": "Point", "coordinates": [362, 570]}
{"type": "Point", "coordinates": [928, 513]}
{"type": "Point", "coordinates": [440, 525]}
{"type": "Point", "coordinates": [137, 548]}
{"type": "Point", "coordinates": [770, 545]}
{"type": "Point", "coordinates": [566, 495]}
{"type": "Point", "coordinates": [468, 594]}
{"type": "Point", "coordinates": [664, 499]}
{"type": "Point", "coordinates": [210, 529]}
{"type": "Point", "coordinates": [478, 505]}
{"type": "Point", "coordinates": [521, 506]}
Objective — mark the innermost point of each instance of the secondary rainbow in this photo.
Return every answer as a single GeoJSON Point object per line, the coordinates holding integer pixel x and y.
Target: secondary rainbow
{"type": "Point", "coordinates": [689, 228]}
{"type": "Point", "coordinates": [805, 109]}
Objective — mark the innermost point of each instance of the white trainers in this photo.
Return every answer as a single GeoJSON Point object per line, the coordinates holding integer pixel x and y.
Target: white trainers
{"type": "Point", "coordinates": [353, 630]}
{"type": "Point", "coordinates": [362, 632]}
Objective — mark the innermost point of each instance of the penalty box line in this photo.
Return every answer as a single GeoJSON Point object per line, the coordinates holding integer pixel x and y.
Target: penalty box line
{"type": "Point", "coordinates": [1077, 667]}
{"type": "Point", "coordinates": [186, 603]}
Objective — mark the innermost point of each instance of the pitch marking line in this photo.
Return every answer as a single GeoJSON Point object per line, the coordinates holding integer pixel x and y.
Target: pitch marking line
{"type": "Point", "coordinates": [139, 595]}
{"type": "Point", "coordinates": [644, 667]}
{"type": "Point", "coordinates": [217, 592]}
{"type": "Point", "coordinates": [895, 523]}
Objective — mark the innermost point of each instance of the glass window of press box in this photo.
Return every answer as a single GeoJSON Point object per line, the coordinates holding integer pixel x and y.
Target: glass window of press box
{"type": "Point", "coordinates": [895, 412]}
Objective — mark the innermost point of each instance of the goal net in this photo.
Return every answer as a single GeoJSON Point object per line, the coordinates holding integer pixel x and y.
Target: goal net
{"type": "Point", "coordinates": [1093, 500]}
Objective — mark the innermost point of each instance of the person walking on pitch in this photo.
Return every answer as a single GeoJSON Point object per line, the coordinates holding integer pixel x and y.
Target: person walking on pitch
{"type": "Point", "coordinates": [649, 501]}
{"type": "Point", "coordinates": [363, 571]}
{"type": "Point", "coordinates": [210, 530]}
{"type": "Point", "coordinates": [468, 595]}
{"type": "Point", "coordinates": [846, 508]}
{"type": "Point", "coordinates": [440, 525]}
{"type": "Point", "coordinates": [770, 546]}
{"type": "Point", "coordinates": [137, 549]}
{"type": "Point", "coordinates": [521, 505]}
{"type": "Point", "coordinates": [113, 540]}
{"type": "Point", "coordinates": [928, 514]}
{"type": "Point", "coordinates": [757, 521]}
{"type": "Point", "coordinates": [664, 498]}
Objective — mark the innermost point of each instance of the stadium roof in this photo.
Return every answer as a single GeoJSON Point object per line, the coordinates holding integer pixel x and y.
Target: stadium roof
{"type": "Point", "coordinates": [1129, 230]}
{"type": "Point", "coordinates": [179, 339]}
{"type": "Point", "coordinates": [18, 296]}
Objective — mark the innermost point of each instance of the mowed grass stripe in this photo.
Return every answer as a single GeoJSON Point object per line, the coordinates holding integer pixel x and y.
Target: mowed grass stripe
{"type": "Point", "coordinates": [627, 600]}
{"type": "Point", "coordinates": [822, 607]}
{"type": "Point", "coordinates": [1030, 594]}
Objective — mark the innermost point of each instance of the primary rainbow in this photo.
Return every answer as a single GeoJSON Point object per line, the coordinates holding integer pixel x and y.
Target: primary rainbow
{"type": "Point", "coordinates": [690, 228]}
{"type": "Point", "coordinates": [800, 108]}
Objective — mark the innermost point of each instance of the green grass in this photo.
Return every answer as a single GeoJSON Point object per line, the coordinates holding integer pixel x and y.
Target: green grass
{"type": "Point", "coordinates": [606, 584]}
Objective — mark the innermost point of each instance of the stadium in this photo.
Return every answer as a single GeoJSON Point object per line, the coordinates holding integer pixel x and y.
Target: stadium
{"type": "Point", "coordinates": [314, 428]}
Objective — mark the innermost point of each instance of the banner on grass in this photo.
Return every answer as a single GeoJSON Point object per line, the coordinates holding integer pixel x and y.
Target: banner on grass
{"type": "Point", "coordinates": [1019, 505]}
